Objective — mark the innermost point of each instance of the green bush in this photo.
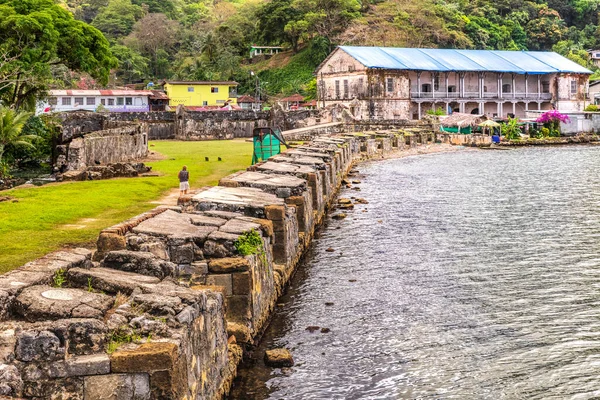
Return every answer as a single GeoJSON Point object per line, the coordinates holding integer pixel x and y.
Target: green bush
{"type": "Point", "coordinates": [248, 243]}
{"type": "Point", "coordinates": [43, 132]}
{"type": "Point", "coordinates": [436, 111]}
{"type": "Point", "coordinates": [544, 132]}
{"type": "Point", "coordinates": [4, 170]}
{"type": "Point", "coordinates": [511, 130]}
{"type": "Point", "coordinates": [591, 107]}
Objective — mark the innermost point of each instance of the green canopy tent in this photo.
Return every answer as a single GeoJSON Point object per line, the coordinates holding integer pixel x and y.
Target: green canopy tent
{"type": "Point", "coordinates": [267, 143]}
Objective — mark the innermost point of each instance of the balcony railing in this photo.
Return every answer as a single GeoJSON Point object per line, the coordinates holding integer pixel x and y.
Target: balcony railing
{"type": "Point", "coordinates": [475, 95]}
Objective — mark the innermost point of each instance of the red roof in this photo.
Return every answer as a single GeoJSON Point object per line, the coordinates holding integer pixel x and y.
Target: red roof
{"type": "Point", "coordinates": [311, 103]}
{"type": "Point", "coordinates": [159, 95]}
{"type": "Point", "coordinates": [247, 99]}
{"type": "Point", "coordinates": [295, 97]}
{"type": "Point", "coordinates": [116, 92]}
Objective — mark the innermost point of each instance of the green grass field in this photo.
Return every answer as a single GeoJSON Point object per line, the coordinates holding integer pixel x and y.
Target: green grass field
{"type": "Point", "coordinates": [49, 217]}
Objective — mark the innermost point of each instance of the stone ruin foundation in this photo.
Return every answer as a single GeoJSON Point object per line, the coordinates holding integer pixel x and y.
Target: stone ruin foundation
{"type": "Point", "coordinates": [165, 305]}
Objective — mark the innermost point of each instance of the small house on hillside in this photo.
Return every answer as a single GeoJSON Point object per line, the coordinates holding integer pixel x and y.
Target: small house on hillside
{"type": "Point", "coordinates": [292, 102]}
{"type": "Point", "coordinates": [256, 51]}
{"type": "Point", "coordinates": [249, 103]}
{"type": "Point", "coordinates": [201, 94]}
{"type": "Point", "coordinates": [595, 57]}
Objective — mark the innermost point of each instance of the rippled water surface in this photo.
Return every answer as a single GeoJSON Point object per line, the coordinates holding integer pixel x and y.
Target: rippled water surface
{"type": "Point", "coordinates": [477, 276]}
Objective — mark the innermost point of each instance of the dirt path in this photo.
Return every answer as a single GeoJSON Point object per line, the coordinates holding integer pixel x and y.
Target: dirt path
{"type": "Point", "coordinates": [169, 199]}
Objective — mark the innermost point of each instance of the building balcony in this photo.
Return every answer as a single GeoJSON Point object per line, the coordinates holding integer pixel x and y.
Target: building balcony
{"type": "Point", "coordinates": [453, 96]}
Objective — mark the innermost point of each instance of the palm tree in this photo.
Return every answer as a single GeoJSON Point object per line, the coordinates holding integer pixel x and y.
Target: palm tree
{"type": "Point", "coordinates": [11, 127]}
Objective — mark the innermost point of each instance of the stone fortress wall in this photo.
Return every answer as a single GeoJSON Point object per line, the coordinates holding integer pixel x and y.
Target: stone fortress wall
{"type": "Point", "coordinates": [165, 305]}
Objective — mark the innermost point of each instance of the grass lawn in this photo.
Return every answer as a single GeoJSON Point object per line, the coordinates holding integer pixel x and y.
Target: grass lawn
{"type": "Point", "coordinates": [49, 217]}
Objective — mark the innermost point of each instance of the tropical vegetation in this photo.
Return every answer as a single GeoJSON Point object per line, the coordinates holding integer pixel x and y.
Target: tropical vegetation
{"type": "Point", "coordinates": [211, 39]}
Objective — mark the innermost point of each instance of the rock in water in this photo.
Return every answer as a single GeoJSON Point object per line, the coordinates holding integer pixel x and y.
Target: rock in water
{"type": "Point", "coordinates": [339, 216]}
{"type": "Point", "coordinates": [278, 358]}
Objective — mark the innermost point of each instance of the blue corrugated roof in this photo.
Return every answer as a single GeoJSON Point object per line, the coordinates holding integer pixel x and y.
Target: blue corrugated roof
{"type": "Point", "coordinates": [446, 60]}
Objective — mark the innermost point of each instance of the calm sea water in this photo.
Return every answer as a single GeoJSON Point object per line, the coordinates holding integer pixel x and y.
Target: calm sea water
{"type": "Point", "coordinates": [477, 276]}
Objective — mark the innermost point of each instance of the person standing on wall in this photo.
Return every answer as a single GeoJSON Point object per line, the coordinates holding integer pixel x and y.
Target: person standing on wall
{"type": "Point", "coordinates": [184, 178]}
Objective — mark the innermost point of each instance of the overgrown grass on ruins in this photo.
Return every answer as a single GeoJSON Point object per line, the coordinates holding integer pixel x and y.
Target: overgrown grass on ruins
{"type": "Point", "coordinates": [46, 218]}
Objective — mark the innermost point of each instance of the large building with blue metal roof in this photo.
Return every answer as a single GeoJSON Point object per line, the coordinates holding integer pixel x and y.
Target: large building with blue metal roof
{"type": "Point", "coordinates": [403, 83]}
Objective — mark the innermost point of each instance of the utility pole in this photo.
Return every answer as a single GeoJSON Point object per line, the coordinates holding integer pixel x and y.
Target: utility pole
{"type": "Point", "coordinates": [256, 105]}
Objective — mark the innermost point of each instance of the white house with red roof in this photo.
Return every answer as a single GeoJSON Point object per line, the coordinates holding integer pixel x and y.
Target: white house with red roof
{"type": "Point", "coordinates": [90, 100]}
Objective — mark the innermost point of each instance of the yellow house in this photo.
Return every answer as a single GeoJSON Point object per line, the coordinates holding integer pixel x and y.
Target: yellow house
{"type": "Point", "coordinates": [198, 94]}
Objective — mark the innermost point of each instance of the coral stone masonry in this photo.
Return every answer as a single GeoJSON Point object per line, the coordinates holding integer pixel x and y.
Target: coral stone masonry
{"type": "Point", "coordinates": [166, 304]}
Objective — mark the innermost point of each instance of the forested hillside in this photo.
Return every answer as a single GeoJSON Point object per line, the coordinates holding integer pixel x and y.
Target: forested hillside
{"type": "Point", "coordinates": [211, 39]}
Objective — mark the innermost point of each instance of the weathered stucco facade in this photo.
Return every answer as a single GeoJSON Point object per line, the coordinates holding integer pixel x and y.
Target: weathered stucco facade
{"type": "Point", "coordinates": [369, 94]}
{"type": "Point", "coordinates": [393, 93]}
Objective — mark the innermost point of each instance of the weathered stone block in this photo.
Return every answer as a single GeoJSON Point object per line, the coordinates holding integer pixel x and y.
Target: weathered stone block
{"type": "Point", "coordinates": [207, 220]}
{"type": "Point", "coordinates": [8, 340]}
{"type": "Point", "coordinates": [228, 265]}
{"type": "Point", "coordinates": [157, 304]}
{"type": "Point", "coordinates": [149, 357]}
{"type": "Point", "coordinates": [82, 336]}
{"type": "Point", "coordinates": [15, 281]}
{"type": "Point", "coordinates": [241, 332]}
{"type": "Point", "coordinates": [195, 272]}
{"type": "Point", "coordinates": [108, 241]}
{"type": "Point", "coordinates": [140, 263]}
{"type": "Point", "coordinates": [159, 249]}
{"type": "Point", "coordinates": [241, 283]}
{"type": "Point", "coordinates": [220, 244]}
{"type": "Point", "coordinates": [6, 301]}
{"type": "Point", "coordinates": [279, 358]}
{"type": "Point", "coordinates": [275, 213]}
{"type": "Point", "coordinates": [170, 384]}
{"type": "Point", "coordinates": [183, 254]}
{"type": "Point", "coordinates": [10, 381]}
{"type": "Point", "coordinates": [240, 225]}
{"type": "Point", "coordinates": [38, 346]}
{"type": "Point", "coordinates": [94, 364]}
{"type": "Point", "coordinates": [173, 224]}
{"type": "Point", "coordinates": [223, 280]}
{"type": "Point", "coordinates": [110, 280]}
{"type": "Point", "coordinates": [62, 388]}
{"type": "Point", "coordinates": [188, 315]}
{"type": "Point", "coordinates": [117, 387]}
{"type": "Point", "coordinates": [238, 308]}
{"type": "Point", "coordinates": [44, 302]}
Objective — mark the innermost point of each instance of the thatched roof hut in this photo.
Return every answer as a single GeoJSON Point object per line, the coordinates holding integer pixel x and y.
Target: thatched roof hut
{"type": "Point", "coordinates": [460, 120]}
{"type": "Point", "coordinates": [460, 123]}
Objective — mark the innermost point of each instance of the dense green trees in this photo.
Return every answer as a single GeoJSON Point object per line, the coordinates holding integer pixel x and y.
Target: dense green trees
{"type": "Point", "coordinates": [210, 39]}
{"type": "Point", "coordinates": [37, 36]}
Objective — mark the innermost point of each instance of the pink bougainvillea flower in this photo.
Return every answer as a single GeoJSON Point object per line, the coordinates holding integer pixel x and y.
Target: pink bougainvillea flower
{"type": "Point", "coordinates": [553, 116]}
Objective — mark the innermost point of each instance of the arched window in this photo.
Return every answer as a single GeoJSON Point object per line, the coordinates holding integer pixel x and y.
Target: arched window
{"type": "Point", "coordinates": [506, 88]}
